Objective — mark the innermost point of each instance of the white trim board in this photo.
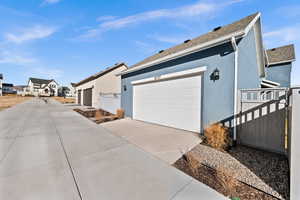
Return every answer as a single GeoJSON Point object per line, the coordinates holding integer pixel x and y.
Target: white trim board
{"type": "Point", "coordinates": [171, 75]}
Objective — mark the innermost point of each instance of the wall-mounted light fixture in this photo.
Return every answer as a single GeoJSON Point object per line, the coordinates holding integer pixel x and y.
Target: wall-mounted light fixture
{"type": "Point", "coordinates": [215, 75]}
{"type": "Point", "coordinates": [124, 87]}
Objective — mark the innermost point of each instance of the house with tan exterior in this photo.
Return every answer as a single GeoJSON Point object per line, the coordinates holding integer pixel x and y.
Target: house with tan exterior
{"type": "Point", "coordinates": [101, 90]}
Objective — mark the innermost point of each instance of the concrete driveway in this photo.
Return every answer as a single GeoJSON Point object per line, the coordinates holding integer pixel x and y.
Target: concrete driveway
{"type": "Point", "coordinates": [168, 144]}
{"type": "Point", "coordinates": [49, 152]}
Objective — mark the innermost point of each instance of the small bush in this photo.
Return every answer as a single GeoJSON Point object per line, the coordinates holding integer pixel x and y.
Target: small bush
{"type": "Point", "coordinates": [120, 113]}
{"type": "Point", "coordinates": [218, 136]}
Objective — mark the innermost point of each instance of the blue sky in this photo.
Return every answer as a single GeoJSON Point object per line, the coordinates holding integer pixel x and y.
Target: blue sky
{"type": "Point", "coordinates": [69, 40]}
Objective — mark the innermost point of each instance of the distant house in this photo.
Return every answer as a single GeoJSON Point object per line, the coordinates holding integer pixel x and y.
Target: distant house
{"type": "Point", "coordinates": [19, 89]}
{"type": "Point", "coordinates": [41, 87]}
{"type": "Point", "coordinates": [101, 90]}
{"type": "Point", "coordinates": [66, 91]}
{"type": "Point", "coordinates": [197, 83]}
{"type": "Point", "coordinates": [8, 88]}
{"type": "Point", "coordinates": [1, 81]}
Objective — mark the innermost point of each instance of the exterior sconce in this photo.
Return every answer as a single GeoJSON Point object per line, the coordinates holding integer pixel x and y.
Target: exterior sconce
{"type": "Point", "coordinates": [215, 75]}
{"type": "Point", "coordinates": [124, 87]}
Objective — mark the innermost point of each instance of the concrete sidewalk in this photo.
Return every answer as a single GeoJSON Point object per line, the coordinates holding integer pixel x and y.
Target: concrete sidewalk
{"type": "Point", "coordinates": [166, 143]}
{"type": "Point", "coordinates": [47, 151]}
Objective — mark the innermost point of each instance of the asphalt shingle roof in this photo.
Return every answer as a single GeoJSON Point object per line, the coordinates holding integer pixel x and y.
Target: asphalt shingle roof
{"type": "Point", "coordinates": [281, 54]}
{"type": "Point", "coordinates": [226, 30]}
{"type": "Point", "coordinates": [40, 81]}
{"type": "Point", "coordinates": [99, 74]}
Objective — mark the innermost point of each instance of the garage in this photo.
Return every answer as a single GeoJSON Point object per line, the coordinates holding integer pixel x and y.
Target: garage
{"type": "Point", "coordinates": [110, 102]}
{"type": "Point", "coordinates": [79, 97]}
{"type": "Point", "coordinates": [87, 96]}
{"type": "Point", "coordinates": [172, 100]}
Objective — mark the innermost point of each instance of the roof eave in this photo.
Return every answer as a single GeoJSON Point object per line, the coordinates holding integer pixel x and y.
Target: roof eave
{"type": "Point", "coordinates": [185, 52]}
{"type": "Point", "coordinates": [280, 62]}
{"type": "Point", "coordinates": [99, 74]}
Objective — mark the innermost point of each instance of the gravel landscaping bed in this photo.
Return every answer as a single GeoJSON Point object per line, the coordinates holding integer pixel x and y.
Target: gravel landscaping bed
{"type": "Point", "coordinates": [262, 170]}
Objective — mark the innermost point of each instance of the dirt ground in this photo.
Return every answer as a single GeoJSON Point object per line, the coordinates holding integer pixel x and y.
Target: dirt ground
{"type": "Point", "coordinates": [253, 174]}
{"type": "Point", "coordinates": [9, 101]}
{"type": "Point", "coordinates": [64, 100]}
{"type": "Point", "coordinates": [222, 183]}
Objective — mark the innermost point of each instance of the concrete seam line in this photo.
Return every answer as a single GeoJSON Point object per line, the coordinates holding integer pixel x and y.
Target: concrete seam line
{"type": "Point", "coordinates": [67, 158]}
{"type": "Point", "coordinates": [181, 189]}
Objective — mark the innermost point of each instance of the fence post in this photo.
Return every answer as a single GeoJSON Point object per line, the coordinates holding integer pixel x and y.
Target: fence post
{"type": "Point", "coordinates": [294, 147]}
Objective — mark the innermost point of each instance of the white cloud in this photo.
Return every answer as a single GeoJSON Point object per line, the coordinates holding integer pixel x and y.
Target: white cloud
{"type": "Point", "coordinates": [51, 1]}
{"type": "Point", "coordinates": [289, 11]}
{"type": "Point", "coordinates": [106, 18]}
{"type": "Point", "coordinates": [146, 48]}
{"type": "Point", "coordinates": [9, 57]}
{"type": "Point", "coordinates": [33, 33]}
{"type": "Point", "coordinates": [46, 72]}
{"type": "Point", "coordinates": [285, 34]}
{"type": "Point", "coordinates": [189, 11]}
{"type": "Point", "coordinates": [170, 39]}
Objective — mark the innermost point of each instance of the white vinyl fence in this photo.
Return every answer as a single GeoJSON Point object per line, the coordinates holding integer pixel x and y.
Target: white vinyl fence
{"type": "Point", "coordinates": [294, 147]}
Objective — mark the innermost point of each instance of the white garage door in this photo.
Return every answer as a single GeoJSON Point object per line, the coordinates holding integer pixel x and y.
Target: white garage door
{"type": "Point", "coordinates": [110, 102]}
{"type": "Point", "coordinates": [174, 102]}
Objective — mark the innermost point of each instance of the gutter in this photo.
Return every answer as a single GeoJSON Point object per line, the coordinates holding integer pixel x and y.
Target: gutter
{"type": "Point", "coordinates": [235, 109]}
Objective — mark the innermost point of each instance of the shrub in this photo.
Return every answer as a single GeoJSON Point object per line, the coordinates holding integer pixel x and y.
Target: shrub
{"type": "Point", "coordinates": [218, 136]}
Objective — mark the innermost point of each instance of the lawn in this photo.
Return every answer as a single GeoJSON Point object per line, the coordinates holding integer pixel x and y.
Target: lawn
{"type": "Point", "coordinates": [64, 100]}
{"type": "Point", "coordinates": [9, 101]}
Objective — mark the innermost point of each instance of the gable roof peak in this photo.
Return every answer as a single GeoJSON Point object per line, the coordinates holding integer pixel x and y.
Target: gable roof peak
{"type": "Point", "coordinates": [219, 35]}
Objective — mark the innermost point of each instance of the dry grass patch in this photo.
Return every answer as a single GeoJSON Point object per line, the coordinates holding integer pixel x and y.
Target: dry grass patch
{"type": "Point", "coordinates": [11, 100]}
{"type": "Point", "coordinates": [64, 100]}
{"type": "Point", "coordinates": [218, 136]}
{"type": "Point", "coordinates": [219, 179]}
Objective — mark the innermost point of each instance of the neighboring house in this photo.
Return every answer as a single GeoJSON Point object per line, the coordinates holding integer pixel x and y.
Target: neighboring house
{"type": "Point", "coordinates": [19, 89]}
{"type": "Point", "coordinates": [279, 65]}
{"type": "Point", "coordinates": [101, 90]}
{"type": "Point", "coordinates": [196, 83]}
{"type": "Point", "coordinates": [72, 92]}
{"type": "Point", "coordinates": [1, 81]}
{"type": "Point", "coordinates": [8, 88]}
{"type": "Point", "coordinates": [42, 87]}
{"type": "Point", "coordinates": [66, 91]}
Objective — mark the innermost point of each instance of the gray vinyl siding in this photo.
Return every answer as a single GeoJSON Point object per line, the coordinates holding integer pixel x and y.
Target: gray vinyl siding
{"type": "Point", "coordinates": [248, 69]}
{"type": "Point", "coordinates": [217, 97]}
{"type": "Point", "coordinates": [280, 74]}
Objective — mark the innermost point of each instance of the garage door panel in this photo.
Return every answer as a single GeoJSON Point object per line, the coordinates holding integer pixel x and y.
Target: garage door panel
{"type": "Point", "coordinates": [175, 103]}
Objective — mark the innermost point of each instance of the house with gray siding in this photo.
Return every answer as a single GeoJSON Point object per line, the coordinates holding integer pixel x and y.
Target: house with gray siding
{"type": "Point", "coordinates": [196, 83]}
{"type": "Point", "coordinates": [279, 65]}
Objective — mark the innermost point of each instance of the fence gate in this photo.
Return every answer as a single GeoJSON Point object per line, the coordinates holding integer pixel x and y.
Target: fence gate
{"type": "Point", "coordinates": [262, 122]}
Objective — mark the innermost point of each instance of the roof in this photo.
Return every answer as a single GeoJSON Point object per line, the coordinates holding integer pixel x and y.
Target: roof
{"type": "Point", "coordinates": [40, 81]}
{"type": "Point", "coordinates": [20, 87]}
{"type": "Point", "coordinates": [99, 74]}
{"type": "Point", "coordinates": [235, 29]}
{"type": "Point", "coordinates": [7, 84]}
{"type": "Point", "coordinates": [281, 54]}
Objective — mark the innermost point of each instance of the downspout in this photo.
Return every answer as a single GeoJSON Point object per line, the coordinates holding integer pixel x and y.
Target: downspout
{"type": "Point", "coordinates": [235, 48]}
